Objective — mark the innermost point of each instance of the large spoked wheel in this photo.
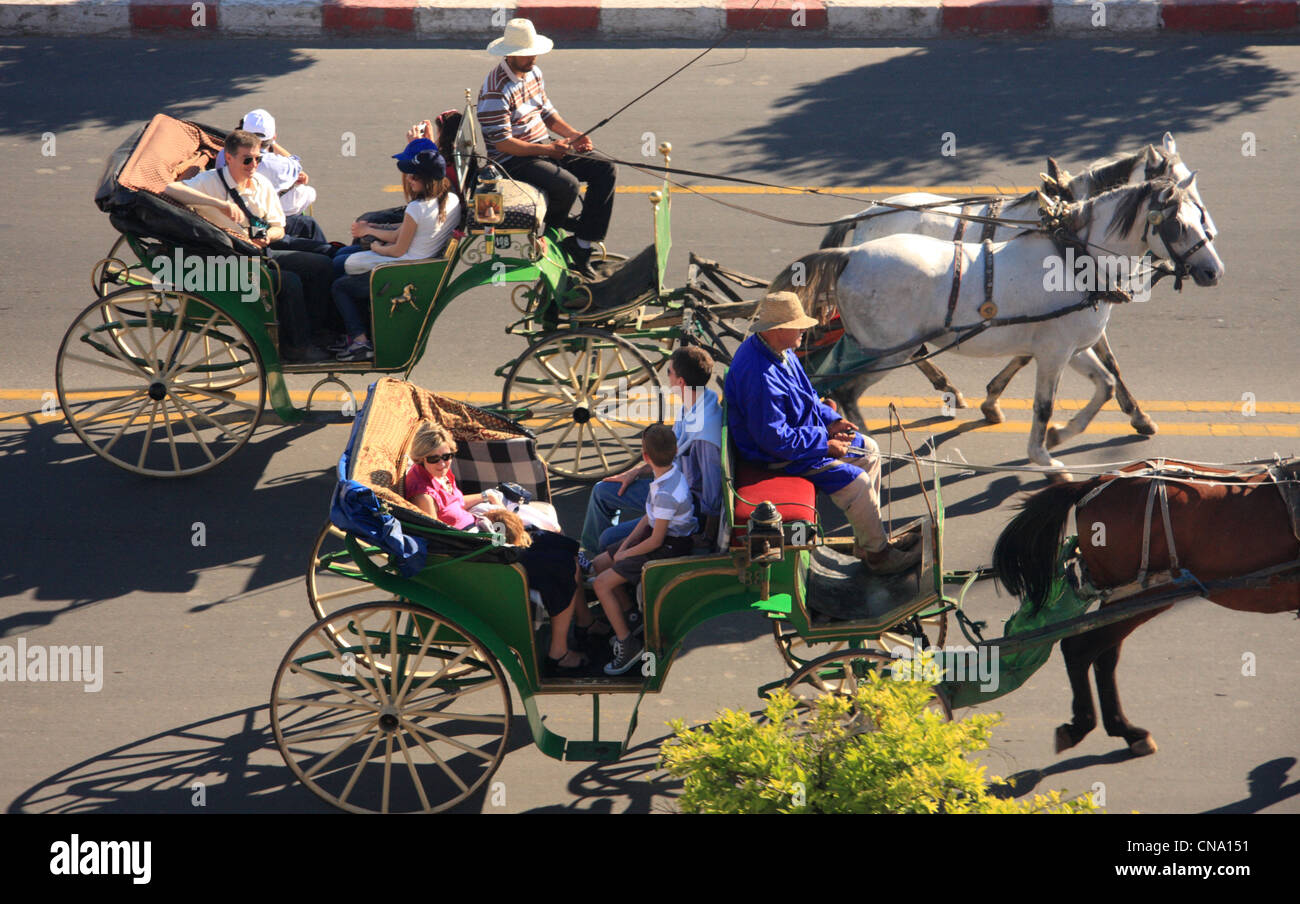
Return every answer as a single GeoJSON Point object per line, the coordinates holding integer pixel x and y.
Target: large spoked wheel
{"type": "Point", "coordinates": [842, 672]}
{"type": "Point", "coordinates": [587, 394]}
{"type": "Point", "coordinates": [411, 715]}
{"type": "Point", "coordinates": [159, 382]}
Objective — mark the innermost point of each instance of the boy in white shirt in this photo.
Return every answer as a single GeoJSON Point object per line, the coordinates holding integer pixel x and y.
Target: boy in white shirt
{"type": "Point", "coordinates": [664, 532]}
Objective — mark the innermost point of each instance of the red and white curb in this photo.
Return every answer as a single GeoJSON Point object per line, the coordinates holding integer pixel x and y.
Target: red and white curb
{"type": "Point", "coordinates": [461, 20]}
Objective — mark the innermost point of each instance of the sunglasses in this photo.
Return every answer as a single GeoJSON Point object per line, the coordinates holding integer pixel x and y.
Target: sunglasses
{"type": "Point", "coordinates": [252, 158]}
{"type": "Point", "coordinates": [434, 459]}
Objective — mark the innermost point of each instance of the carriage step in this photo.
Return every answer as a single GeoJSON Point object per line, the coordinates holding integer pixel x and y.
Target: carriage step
{"type": "Point", "coordinates": [592, 751]}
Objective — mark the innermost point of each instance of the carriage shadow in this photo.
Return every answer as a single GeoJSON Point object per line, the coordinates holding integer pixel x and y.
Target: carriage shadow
{"type": "Point", "coordinates": [123, 533]}
{"type": "Point", "coordinates": [232, 756]}
{"type": "Point", "coordinates": [1196, 83]}
{"type": "Point", "coordinates": [632, 784]}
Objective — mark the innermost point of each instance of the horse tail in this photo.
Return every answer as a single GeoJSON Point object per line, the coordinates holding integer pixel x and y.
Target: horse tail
{"type": "Point", "coordinates": [813, 278]}
{"type": "Point", "coordinates": [1024, 557]}
{"type": "Point", "coordinates": [840, 230]}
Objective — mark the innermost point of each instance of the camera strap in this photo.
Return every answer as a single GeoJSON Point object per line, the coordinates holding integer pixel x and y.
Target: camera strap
{"type": "Point", "coordinates": [239, 201]}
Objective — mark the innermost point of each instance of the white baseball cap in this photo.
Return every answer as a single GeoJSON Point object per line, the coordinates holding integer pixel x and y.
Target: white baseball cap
{"type": "Point", "coordinates": [259, 122]}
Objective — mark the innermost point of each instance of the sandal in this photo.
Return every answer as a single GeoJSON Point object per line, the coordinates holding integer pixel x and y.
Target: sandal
{"type": "Point", "coordinates": [553, 666]}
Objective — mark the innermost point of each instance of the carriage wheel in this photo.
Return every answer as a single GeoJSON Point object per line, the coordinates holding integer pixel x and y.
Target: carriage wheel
{"type": "Point", "coordinates": [573, 387]}
{"type": "Point", "coordinates": [334, 580]}
{"type": "Point", "coordinates": [159, 382]}
{"type": "Point", "coordinates": [391, 722]}
{"type": "Point", "coordinates": [796, 650]}
{"type": "Point", "coordinates": [840, 673]}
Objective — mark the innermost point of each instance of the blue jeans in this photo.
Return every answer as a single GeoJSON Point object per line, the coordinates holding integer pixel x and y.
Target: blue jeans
{"type": "Point", "coordinates": [341, 256]}
{"type": "Point", "coordinates": [351, 297]}
{"type": "Point", "coordinates": [604, 503]}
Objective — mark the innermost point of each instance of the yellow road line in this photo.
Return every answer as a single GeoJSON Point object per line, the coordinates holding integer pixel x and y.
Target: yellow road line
{"type": "Point", "coordinates": [823, 189]}
{"type": "Point", "coordinates": [903, 402]}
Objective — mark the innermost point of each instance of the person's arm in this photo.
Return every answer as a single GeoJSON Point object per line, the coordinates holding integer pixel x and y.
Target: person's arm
{"type": "Point", "coordinates": [383, 233]}
{"type": "Point", "coordinates": [517, 147]}
{"type": "Point", "coordinates": [628, 477]}
{"type": "Point", "coordinates": [708, 464]}
{"type": "Point", "coordinates": [424, 502]}
{"type": "Point", "coordinates": [192, 197]}
{"type": "Point", "coordinates": [400, 243]}
{"type": "Point", "coordinates": [557, 124]}
{"type": "Point", "coordinates": [641, 530]}
{"type": "Point", "coordinates": [649, 545]}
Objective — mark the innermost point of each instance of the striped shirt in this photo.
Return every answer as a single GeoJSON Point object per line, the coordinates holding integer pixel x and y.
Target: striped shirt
{"type": "Point", "coordinates": [513, 106]}
{"type": "Point", "coordinates": [669, 499]}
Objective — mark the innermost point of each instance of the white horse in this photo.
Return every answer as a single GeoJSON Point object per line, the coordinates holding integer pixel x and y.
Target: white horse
{"type": "Point", "coordinates": [883, 219]}
{"type": "Point", "coordinates": [893, 293]}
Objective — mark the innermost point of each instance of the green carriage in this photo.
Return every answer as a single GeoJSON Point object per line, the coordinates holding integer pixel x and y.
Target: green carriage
{"type": "Point", "coordinates": [398, 696]}
{"type": "Point", "coordinates": [167, 372]}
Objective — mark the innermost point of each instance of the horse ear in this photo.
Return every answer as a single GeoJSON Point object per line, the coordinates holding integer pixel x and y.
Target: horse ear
{"type": "Point", "coordinates": [1054, 168]}
{"type": "Point", "coordinates": [1152, 156]}
{"type": "Point", "coordinates": [1155, 217]}
{"type": "Point", "coordinates": [1168, 142]}
{"type": "Point", "coordinates": [1187, 183]}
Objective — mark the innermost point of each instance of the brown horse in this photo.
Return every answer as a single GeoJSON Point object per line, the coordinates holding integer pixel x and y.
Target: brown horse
{"type": "Point", "coordinates": [1224, 526]}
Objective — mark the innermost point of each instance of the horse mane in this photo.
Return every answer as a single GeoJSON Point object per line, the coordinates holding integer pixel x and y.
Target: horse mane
{"type": "Point", "coordinates": [1131, 198]}
{"type": "Point", "coordinates": [1113, 172]}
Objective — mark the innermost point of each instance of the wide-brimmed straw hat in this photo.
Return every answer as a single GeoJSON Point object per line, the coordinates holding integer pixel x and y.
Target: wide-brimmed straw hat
{"type": "Point", "coordinates": [781, 311]}
{"type": "Point", "coordinates": [520, 39]}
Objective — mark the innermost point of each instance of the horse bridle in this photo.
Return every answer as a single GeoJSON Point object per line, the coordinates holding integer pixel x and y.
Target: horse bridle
{"type": "Point", "coordinates": [1164, 226]}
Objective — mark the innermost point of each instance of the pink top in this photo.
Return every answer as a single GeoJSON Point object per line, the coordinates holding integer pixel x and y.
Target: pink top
{"type": "Point", "coordinates": [448, 503]}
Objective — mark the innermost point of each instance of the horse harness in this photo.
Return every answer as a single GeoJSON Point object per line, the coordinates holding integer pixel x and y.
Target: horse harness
{"type": "Point", "coordinates": [1285, 477]}
{"type": "Point", "coordinates": [988, 310]}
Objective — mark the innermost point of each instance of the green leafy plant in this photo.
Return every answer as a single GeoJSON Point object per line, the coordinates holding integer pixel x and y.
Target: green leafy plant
{"type": "Point", "coordinates": [880, 751]}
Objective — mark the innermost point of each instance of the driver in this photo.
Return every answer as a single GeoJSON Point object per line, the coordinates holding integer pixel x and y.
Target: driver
{"type": "Point", "coordinates": [517, 118]}
{"type": "Point", "coordinates": [775, 417]}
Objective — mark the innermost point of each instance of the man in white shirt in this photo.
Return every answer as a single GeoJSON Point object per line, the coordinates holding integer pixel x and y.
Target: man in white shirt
{"type": "Point", "coordinates": [227, 198]}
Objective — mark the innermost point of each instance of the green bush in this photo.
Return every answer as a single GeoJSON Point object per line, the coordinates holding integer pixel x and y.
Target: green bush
{"type": "Point", "coordinates": [882, 751]}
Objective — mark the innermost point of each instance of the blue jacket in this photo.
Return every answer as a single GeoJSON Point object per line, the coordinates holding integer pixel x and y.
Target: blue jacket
{"type": "Point", "coordinates": [773, 413]}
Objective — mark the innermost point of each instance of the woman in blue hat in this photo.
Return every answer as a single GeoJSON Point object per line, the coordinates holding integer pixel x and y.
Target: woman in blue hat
{"type": "Point", "coordinates": [432, 214]}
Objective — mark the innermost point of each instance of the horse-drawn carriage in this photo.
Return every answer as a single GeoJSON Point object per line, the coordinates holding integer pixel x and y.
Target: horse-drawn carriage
{"type": "Point", "coordinates": [167, 372]}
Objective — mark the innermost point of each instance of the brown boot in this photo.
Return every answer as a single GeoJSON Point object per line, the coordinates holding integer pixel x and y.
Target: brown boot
{"type": "Point", "coordinates": [890, 560]}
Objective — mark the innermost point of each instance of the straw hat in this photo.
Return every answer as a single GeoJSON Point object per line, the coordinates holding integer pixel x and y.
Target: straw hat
{"type": "Point", "coordinates": [781, 311]}
{"type": "Point", "coordinates": [520, 39]}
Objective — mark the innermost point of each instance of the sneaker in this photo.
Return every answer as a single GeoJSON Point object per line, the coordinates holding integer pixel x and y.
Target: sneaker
{"type": "Point", "coordinates": [339, 345]}
{"type": "Point", "coordinates": [357, 350]}
{"type": "Point", "coordinates": [635, 625]}
{"type": "Point", "coordinates": [626, 654]}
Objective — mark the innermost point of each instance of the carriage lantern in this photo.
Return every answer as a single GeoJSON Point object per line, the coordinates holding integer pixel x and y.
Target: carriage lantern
{"type": "Point", "coordinates": [766, 542]}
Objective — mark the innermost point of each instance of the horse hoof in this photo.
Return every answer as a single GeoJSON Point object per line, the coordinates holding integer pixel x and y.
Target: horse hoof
{"type": "Point", "coordinates": [1063, 739]}
{"type": "Point", "coordinates": [1145, 747]}
{"type": "Point", "coordinates": [1145, 426]}
{"type": "Point", "coordinates": [992, 413]}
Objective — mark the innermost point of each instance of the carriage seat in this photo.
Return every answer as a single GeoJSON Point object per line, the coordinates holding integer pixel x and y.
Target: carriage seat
{"type": "Point", "coordinates": [794, 497]}
{"type": "Point", "coordinates": [490, 449]}
{"type": "Point", "coordinates": [525, 210]}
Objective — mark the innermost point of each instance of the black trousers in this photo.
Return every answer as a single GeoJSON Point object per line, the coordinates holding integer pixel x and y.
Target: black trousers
{"type": "Point", "coordinates": [306, 308]}
{"type": "Point", "coordinates": [559, 180]}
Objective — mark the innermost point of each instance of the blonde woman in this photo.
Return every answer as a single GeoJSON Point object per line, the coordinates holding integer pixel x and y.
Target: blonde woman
{"type": "Point", "coordinates": [431, 486]}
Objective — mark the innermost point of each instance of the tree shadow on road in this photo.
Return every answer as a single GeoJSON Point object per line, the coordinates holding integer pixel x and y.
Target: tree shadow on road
{"type": "Point", "coordinates": [51, 84]}
{"type": "Point", "coordinates": [1087, 100]}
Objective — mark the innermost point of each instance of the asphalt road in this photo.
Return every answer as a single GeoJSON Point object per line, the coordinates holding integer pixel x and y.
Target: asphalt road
{"type": "Point", "coordinates": [192, 635]}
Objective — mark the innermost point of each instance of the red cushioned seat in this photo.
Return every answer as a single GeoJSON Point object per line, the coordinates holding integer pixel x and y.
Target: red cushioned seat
{"type": "Point", "coordinates": [794, 497]}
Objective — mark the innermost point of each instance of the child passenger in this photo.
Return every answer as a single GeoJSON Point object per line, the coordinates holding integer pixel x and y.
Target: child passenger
{"type": "Point", "coordinates": [665, 531]}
